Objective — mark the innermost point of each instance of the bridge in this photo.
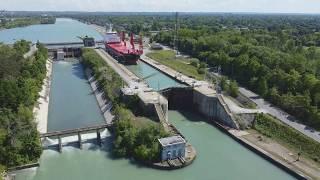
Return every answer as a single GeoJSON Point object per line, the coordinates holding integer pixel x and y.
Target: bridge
{"type": "Point", "coordinates": [77, 131]}
{"type": "Point", "coordinates": [68, 44]}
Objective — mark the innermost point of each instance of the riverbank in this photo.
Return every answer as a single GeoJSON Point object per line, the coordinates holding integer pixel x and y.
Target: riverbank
{"type": "Point", "coordinates": [237, 135]}
{"type": "Point", "coordinates": [104, 105]}
{"type": "Point", "coordinates": [41, 109]}
{"type": "Point", "coordinates": [283, 154]}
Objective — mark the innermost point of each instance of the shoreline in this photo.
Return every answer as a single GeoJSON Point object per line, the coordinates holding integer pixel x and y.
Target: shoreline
{"type": "Point", "coordinates": [41, 109]}
{"type": "Point", "coordinates": [104, 105]}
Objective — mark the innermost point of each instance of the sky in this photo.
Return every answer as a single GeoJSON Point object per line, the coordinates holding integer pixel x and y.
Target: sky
{"type": "Point", "coordinates": [262, 6]}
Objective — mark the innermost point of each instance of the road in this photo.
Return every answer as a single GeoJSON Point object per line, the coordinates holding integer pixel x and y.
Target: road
{"type": "Point", "coordinates": [266, 107]}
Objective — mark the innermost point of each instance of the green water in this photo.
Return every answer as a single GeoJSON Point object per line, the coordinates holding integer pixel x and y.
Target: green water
{"type": "Point", "coordinates": [155, 78]}
{"type": "Point", "coordinates": [72, 104]}
{"type": "Point", "coordinates": [219, 157]}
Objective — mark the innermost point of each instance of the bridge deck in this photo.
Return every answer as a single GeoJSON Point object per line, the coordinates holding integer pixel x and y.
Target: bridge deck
{"type": "Point", "coordinates": [75, 131]}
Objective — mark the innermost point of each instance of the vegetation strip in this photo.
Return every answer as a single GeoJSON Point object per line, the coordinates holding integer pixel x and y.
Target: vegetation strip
{"type": "Point", "coordinates": [274, 129]}
{"type": "Point", "coordinates": [135, 136]}
{"type": "Point", "coordinates": [20, 82]}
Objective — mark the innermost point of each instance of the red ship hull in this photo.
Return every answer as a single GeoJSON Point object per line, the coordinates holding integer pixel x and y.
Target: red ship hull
{"type": "Point", "coordinates": [122, 53]}
{"type": "Point", "coordinates": [117, 47]}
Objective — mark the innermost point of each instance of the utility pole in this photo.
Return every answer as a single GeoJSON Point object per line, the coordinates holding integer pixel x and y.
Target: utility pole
{"type": "Point", "coordinates": [176, 28]}
{"type": "Point", "coordinates": [218, 88]}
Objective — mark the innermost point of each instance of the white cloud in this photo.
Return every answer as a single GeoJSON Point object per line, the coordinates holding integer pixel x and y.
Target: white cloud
{"type": "Point", "coordinates": [298, 6]}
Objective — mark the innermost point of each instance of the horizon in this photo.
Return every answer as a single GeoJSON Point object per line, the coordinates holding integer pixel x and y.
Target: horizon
{"type": "Point", "coordinates": [161, 12]}
{"type": "Point", "coordinates": [188, 6]}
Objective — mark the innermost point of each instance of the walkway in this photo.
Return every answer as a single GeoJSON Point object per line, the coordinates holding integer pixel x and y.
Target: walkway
{"type": "Point", "coordinates": [33, 49]}
{"type": "Point", "coordinates": [266, 107]}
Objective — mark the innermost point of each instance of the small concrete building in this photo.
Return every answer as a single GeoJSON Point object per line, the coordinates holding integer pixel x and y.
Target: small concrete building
{"type": "Point", "coordinates": [172, 147]}
{"type": "Point", "coordinates": [88, 41]}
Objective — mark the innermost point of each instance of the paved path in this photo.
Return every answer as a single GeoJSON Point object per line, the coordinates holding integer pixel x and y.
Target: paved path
{"type": "Point", "coordinates": [32, 50]}
{"type": "Point", "coordinates": [266, 107]}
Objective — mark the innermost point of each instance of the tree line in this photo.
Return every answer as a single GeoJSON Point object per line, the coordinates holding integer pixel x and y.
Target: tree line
{"type": "Point", "coordinates": [20, 81]}
{"type": "Point", "coordinates": [276, 65]}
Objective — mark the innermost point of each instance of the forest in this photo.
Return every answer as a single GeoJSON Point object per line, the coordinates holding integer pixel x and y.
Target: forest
{"type": "Point", "coordinates": [274, 64]}
{"type": "Point", "coordinates": [275, 55]}
{"type": "Point", "coordinates": [20, 81]}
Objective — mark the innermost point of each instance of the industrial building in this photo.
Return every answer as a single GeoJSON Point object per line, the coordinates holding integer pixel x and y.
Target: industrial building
{"type": "Point", "coordinates": [172, 147]}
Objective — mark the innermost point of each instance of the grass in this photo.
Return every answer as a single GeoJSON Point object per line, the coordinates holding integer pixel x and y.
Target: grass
{"type": "Point", "coordinates": [275, 129]}
{"type": "Point", "coordinates": [180, 64]}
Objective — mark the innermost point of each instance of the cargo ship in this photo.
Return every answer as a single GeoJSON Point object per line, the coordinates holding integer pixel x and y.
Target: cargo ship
{"type": "Point", "coordinates": [117, 47]}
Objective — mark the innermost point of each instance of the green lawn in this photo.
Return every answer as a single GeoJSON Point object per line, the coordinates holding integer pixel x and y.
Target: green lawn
{"type": "Point", "coordinates": [180, 64]}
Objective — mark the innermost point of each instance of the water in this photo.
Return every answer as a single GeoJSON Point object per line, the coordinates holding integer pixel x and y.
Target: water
{"type": "Point", "coordinates": [155, 78]}
{"type": "Point", "coordinates": [219, 157]}
{"type": "Point", "coordinates": [73, 105]}
{"type": "Point", "coordinates": [64, 30]}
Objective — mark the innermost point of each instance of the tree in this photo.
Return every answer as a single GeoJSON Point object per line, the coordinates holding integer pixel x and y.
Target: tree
{"type": "Point", "coordinates": [233, 89]}
{"type": "Point", "coordinates": [262, 87]}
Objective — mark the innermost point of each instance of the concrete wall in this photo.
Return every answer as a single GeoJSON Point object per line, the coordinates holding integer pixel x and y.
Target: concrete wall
{"type": "Point", "coordinates": [224, 114]}
{"type": "Point", "coordinates": [179, 98]}
{"type": "Point", "coordinates": [212, 107]}
{"type": "Point", "coordinates": [205, 105]}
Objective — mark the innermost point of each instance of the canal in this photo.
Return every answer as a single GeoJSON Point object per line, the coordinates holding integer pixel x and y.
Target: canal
{"type": "Point", "coordinates": [72, 105]}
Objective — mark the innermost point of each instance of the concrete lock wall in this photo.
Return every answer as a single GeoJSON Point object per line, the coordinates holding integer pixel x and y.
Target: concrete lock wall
{"type": "Point", "coordinates": [205, 105]}
{"type": "Point", "coordinates": [224, 114]}
{"type": "Point", "coordinates": [179, 98]}
{"type": "Point", "coordinates": [212, 107]}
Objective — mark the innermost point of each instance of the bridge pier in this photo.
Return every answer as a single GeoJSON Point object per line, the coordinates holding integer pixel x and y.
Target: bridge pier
{"type": "Point", "coordinates": [99, 138]}
{"type": "Point", "coordinates": [60, 144]}
{"type": "Point", "coordinates": [79, 139]}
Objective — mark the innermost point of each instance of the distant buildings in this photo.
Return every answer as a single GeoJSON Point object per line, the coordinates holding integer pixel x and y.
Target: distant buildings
{"type": "Point", "coordinates": [172, 147]}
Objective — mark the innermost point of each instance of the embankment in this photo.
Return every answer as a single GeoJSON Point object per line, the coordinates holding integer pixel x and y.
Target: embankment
{"type": "Point", "coordinates": [42, 108]}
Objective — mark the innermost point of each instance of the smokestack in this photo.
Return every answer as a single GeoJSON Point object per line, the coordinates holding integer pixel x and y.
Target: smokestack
{"type": "Point", "coordinates": [123, 36]}
{"type": "Point", "coordinates": [131, 41]}
{"type": "Point", "coordinates": [141, 44]}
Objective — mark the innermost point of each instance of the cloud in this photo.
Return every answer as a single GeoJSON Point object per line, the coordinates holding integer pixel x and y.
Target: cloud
{"type": "Point", "coordinates": [285, 6]}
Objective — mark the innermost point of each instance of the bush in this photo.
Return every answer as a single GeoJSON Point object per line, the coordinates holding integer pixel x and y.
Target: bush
{"type": "Point", "coordinates": [233, 89]}
{"type": "Point", "coordinates": [194, 63]}
{"type": "Point", "coordinates": [201, 71]}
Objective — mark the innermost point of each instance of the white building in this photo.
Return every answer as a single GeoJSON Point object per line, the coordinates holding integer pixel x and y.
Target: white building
{"type": "Point", "coordinates": [172, 147]}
